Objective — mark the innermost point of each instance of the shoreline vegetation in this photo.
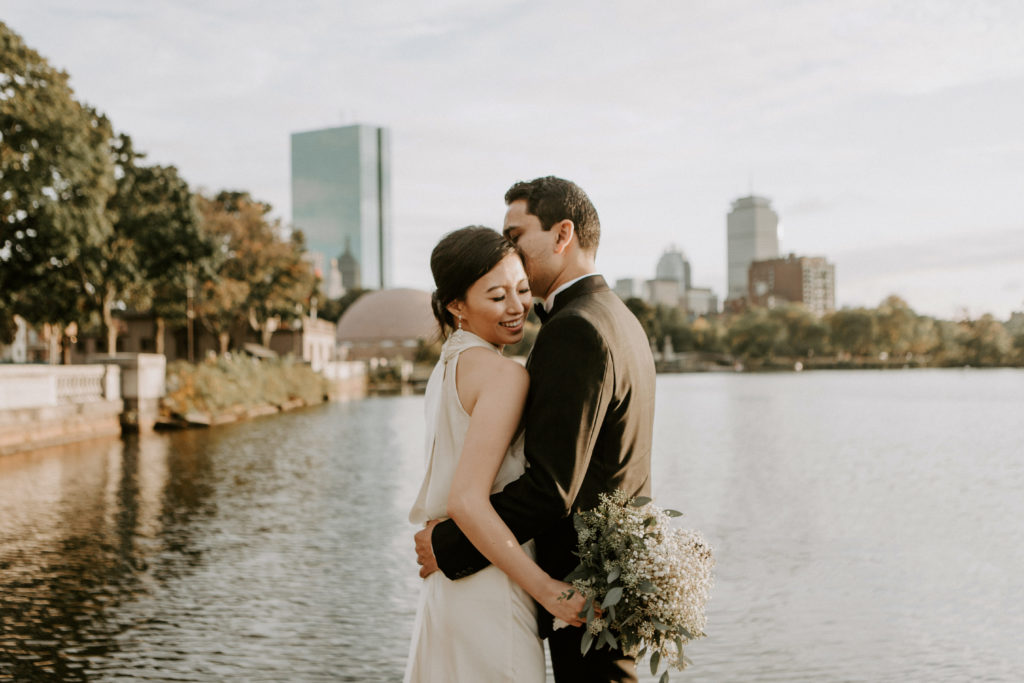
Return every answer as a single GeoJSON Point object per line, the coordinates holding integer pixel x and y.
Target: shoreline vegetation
{"type": "Point", "coordinates": [232, 388]}
{"type": "Point", "coordinates": [789, 336]}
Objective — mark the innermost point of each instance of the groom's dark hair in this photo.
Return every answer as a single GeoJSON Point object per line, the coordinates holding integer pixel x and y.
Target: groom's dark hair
{"type": "Point", "coordinates": [553, 200]}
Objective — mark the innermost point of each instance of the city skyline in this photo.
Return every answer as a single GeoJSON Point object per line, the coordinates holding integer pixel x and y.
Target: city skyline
{"type": "Point", "coordinates": [886, 136]}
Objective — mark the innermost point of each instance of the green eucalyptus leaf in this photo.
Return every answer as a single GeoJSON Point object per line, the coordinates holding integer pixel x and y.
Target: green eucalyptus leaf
{"type": "Point", "coordinates": [655, 660]}
{"type": "Point", "coordinates": [613, 597]}
{"type": "Point", "coordinates": [647, 587]}
{"type": "Point", "coordinates": [640, 501]}
{"type": "Point", "coordinates": [588, 640]}
{"type": "Point", "coordinates": [673, 513]}
{"type": "Point", "coordinates": [612, 642]}
{"type": "Point", "coordinates": [580, 572]}
{"type": "Point", "coordinates": [613, 574]}
{"type": "Point", "coordinates": [664, 677]}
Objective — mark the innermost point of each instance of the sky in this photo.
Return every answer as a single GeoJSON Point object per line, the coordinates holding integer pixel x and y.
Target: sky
{"type": "Point", "coordinates": [887, 135]}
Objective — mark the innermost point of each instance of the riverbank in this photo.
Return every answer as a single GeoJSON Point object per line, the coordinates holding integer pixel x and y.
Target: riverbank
{"type": "Point", "coordinates": [230, 389]}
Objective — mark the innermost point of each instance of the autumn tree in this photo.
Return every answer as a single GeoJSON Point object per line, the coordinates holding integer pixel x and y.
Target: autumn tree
{"type": "Point", "coordinates": [261, 280]}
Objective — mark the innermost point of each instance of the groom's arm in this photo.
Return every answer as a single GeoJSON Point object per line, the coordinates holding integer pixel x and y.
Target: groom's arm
{"type": "Point", "coordinates": [570, 386]}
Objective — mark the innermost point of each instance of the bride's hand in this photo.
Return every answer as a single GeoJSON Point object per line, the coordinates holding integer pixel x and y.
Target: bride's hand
{"type": "Point", "coordinates": [561, 605]}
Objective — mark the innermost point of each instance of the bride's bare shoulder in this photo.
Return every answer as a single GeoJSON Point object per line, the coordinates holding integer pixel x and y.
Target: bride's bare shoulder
{"type": "Point", "coordinates": [487, 366]}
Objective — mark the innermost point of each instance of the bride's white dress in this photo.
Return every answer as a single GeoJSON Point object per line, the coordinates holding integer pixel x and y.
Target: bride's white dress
{"type": "Point", "coordinates": [482, 627]}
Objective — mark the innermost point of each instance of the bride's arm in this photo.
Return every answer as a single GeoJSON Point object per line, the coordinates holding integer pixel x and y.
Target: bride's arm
{"type": "Point", "coordinates": [493, 391]}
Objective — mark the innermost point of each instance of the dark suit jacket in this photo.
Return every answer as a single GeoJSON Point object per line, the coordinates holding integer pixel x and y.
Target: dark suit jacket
{"type": "Point", "coordinates": [589, 418]}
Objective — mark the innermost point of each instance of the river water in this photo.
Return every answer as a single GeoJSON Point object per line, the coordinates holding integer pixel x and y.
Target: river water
{"type": "Point", "coordinates": [868, 527]}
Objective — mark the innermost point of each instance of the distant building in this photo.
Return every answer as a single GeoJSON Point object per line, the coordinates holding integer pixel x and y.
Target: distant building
{"type": "Point", "coordinates": [629, 288]}
{"type": "Point", "coordinates": [671, 287]}
{"type": "Point", "coordinates": [673, 266]}
{"type": "Point", "coordinates": [341, 200]}
{"type": "Point", "coordinates": [386, 324]}
{"type": "Point", "coordinates": [700, 301]}
{"type": "Point", "coordinates": [333, 286]}
{"type": "Point", "coordinates": [809, 280]}
{"type": "Point", "coordinates": [664, 293]}
{"type": "Point", "coordinates": [753, 235]}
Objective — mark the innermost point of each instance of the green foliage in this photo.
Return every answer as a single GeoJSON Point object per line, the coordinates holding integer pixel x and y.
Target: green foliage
{"type": "Point", "coordinates": [155, 209]}
{"type": "Point", "coordinates": [852, 331]}
{"type": "Point", "coordinates": [891, 333]}
{"type": "Point", "coordinates": [55, 180]}
{"type": "Point", "coordinates": [239, 382]}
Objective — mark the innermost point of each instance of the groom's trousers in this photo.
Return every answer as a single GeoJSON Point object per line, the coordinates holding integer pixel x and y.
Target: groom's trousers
{"type": "Point", "coordinates": [597, 666]}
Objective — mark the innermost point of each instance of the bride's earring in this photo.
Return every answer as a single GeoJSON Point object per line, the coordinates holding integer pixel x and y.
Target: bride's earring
{"type": "Point", "coordinates": [460, 322]}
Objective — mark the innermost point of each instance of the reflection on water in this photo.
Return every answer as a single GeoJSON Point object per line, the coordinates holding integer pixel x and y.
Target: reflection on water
{"type": "Point", "coordinates": [866, 525]}
{"type": "Point", "coordinates": [269, 551]}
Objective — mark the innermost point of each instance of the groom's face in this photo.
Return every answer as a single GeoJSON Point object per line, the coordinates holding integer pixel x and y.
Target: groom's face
{"type": "Point", "coordinates": [536, 244]}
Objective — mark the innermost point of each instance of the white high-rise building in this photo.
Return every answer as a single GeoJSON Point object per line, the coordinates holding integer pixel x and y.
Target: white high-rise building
{"type": "Point", "coordinates": [753, 235]}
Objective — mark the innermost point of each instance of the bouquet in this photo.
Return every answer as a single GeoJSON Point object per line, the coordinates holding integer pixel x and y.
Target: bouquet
{"type": "Point", "coordinates": [646, 582]}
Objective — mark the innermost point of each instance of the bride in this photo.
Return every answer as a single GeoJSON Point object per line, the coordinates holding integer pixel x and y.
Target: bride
{"type": "Point", "coordinates": [482, 627]}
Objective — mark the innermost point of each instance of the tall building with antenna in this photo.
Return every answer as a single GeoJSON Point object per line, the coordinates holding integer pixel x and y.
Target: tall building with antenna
{"type": "Point", "coordinates": [752, 228]}
{"type": "Point", "coordinates": [341, 200]}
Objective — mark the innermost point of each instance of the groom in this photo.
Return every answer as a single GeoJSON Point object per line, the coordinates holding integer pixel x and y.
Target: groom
{"type": "Point", "coordinates": [588, 415]}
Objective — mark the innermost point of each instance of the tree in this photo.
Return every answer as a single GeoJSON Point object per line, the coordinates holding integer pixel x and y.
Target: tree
{"type": "Point", "coordinates": [756, 335]}
{"type": "Point", "coordinates": [805, 334]}
{"type": "Point", "coordinates": [646, 314]}
{"type": "Point", "coordinates": [56, 177]}
{"type": "Point", "coordinates": [852, 331]}
{"type": "Point", "coordinates": [261, 278]}
{"type": "Point", "coordinates": [158, 211]}
{"type": "Point", "coordinates": [985, 342]}
{"type": "Point", "coordinates": [895, 326]}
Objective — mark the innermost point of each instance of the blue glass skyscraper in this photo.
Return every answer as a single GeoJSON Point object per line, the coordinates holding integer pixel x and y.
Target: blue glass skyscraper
{"type": "Point", "coordinates": [341, 200]}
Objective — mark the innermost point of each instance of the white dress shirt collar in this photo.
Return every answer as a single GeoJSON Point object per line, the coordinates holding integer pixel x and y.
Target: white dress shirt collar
{"type": "Point", "coordinates": [549, 303]}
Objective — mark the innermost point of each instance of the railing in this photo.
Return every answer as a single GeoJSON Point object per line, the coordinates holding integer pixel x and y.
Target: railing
{"type": "Point", "coordinates": [36, 386]}
{"type": "Point", "coordinates": [81, 385]}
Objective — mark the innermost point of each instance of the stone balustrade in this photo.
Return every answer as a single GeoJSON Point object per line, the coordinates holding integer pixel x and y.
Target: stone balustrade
{"type": "Point", "coordinates": [46, 405]}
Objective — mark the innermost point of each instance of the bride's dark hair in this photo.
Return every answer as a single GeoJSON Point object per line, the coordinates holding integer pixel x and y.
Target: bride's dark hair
{"type": "Point", "coordinates": [461, 258]}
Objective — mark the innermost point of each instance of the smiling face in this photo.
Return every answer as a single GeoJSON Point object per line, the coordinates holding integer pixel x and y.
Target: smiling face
{"type": "Point", "coordinates": [496, 305]}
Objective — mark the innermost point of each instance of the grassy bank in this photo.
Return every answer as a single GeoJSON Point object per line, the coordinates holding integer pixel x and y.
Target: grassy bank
{"type": "Point", "coordinates": [238, 386]}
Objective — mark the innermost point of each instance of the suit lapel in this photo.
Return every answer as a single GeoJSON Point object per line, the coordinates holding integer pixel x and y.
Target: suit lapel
{"type": "Point", "coordinates": [588, 285]}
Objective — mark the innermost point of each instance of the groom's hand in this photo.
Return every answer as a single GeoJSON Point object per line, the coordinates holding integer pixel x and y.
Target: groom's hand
{"type": "Point", "coordinates": [425, 550]}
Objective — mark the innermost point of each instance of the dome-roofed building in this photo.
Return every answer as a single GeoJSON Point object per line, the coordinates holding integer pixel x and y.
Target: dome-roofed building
{"type": "Point", "coordinates": [673, 266]}
{"type": "Point", "coordinates": [386, 324]}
